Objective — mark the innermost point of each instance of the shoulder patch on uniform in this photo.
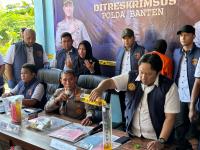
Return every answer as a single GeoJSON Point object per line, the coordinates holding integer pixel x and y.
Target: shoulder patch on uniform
{"type": "Point", "coordinates": [194, 61]}
{"type": "Point", "coordinates": [131, 86]}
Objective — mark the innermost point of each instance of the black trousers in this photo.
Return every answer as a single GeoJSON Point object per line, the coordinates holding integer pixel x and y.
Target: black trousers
{"type": "Point", "coordinates": [122, 104]}
{"type": "Point", "coordinates": [1, 91]}
{"type": "Point", "coordinates": [184, 130]}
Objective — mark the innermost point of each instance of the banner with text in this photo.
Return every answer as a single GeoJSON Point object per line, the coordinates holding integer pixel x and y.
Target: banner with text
{"type": "Point", "coordinates": [102, 21]}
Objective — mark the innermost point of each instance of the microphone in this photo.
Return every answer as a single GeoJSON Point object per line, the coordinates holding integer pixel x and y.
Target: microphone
{"type": "Point", "coordinates": [68, 93]}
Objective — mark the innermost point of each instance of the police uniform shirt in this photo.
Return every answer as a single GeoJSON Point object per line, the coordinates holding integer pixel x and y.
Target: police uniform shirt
{"type": "Point", "coordinates": [183, 86]}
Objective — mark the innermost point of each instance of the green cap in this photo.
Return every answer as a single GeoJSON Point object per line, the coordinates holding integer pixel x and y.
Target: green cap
{"type": "Point", "coordinates": [127, 32]}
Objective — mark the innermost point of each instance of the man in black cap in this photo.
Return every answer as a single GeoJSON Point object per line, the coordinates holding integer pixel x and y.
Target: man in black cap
{"type": "Point", "coordinates": [185, 61]}
{"type": "Point", "coordinates": [127, 58]}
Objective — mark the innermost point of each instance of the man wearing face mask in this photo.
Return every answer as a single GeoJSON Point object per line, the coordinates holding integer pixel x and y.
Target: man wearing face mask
{"type": "Point", "coordinates": [26, 51]}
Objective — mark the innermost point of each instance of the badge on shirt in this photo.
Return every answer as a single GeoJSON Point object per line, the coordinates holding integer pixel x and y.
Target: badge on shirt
{"type": "Point", "coordinates": [30, 92]}
{"type": "Point", "coordinates": [78, 111]}
{"type": "Point", "coordinates": [131, 87]}
{"type": "Point", "coordinates": [39, 53]}
{"type": "Point", "coordinates": [194, 61]}
{"type": "Point", "coordinates": [137, 56]}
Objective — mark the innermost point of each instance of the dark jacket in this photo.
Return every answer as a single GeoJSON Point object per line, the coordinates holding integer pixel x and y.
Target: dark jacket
{"type": "Point", "coordinates": [192, 60]}
{"type": "Point", "coordinates": [21, 58]}
{"type": "Point", "coordinates": [28, 89]}
{"type": "Point", "coordinates": [79, 64]}
{"type": "Point", "coordinates": [135, 53]}
{"type": "Point", "coordinates": [155, 100]}
{"type": "Point", "coordinates": [61, 57]}
{"type": "Point", "coordinates": [80, 68]}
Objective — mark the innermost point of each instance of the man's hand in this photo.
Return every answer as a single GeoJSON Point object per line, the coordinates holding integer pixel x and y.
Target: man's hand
{"type": "Point", "coordinates": [155, 145]}
{"type": "Point", "coordinates": [192, 114]}
{"type": "Point", "coordinates": [95, 94]}
{"type": "Point", "coordinates": [87, 121]}
{"type": "Point", "coordinates": [68, 62]}
{"type": "Point", "coordinates": [6, 95]}
{"type": "Point", "coordinates": [61, 97]}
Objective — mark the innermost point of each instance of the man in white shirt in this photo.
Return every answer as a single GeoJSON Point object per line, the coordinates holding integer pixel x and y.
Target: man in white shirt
{"type": "Point", "coordinates": [26, 51]}
{"type": "Point", "coordinates": [185, 61]}
{"type": "Point", "coordinates": [127, 59]}
{"type": "Point", "coordinates": [152, 101]}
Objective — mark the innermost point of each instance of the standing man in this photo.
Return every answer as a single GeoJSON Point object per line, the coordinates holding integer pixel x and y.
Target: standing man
{"type": "Point", "coordinates": [129, 54]}
{"type": "Point", "coordinates": [152, 101]}
{"type": "Point", "coordinates": [195, 101]}
{"type": "Point", "coordinates": [72, 25]}
{"type": "Point", "coordinates": [67, 54]}
{"type": "Point", "coordinates": [26, 51]}
{"type": "Point", "coordinates": [185, 62]}
{"type": "Point", "coordinates": [127, 59]}
{"type": "Point", "coordinates": [160, 49]}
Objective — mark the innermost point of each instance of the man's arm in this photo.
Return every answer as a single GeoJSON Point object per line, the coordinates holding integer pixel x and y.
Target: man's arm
{"type": "Point", "coordinates": [103, 86]}
{"type": "Point", "coordinates": [168, 125]}
{"type": "Point", "coordinates": [194, 96]}
{"type": "Point", "coordinates": [165, 132]}
{"type": "Point", "coordinates": [9, 76]}
{"type": "Point", "coordinates": [2, 69]}
{"type": "Point", "coordinates": [9, 72]}
{"type": "Point", "coordinates": [29, 102]}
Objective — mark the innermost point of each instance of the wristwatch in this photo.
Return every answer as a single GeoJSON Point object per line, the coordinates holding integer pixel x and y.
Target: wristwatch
{"type": "Point", "coordinates": [162, 140]}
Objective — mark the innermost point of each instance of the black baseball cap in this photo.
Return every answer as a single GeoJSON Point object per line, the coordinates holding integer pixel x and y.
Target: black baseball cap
{"type": "Point", "coordinates": [187, 29]}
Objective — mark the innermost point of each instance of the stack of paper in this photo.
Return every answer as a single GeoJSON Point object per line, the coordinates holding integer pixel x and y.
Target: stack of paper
{"type": "Point", "coordinates": [72, 132]}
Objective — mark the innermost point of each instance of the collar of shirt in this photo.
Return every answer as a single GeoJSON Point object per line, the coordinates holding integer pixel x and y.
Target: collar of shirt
{"type": "Point", "coordinates": [154, 84]}
{"type": "Point", "coordinates": [127, 49]}
{"type": "Point", "coordinates": [186, 52]}
{"type": "Point", "coordinates": [70, 51]}
{"type": "Point", "coordinates": [29, 48]}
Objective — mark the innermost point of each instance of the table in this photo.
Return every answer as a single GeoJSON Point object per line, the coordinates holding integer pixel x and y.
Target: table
{"type": "Point", "coordinates": [35, 140]}
{"type": "Point", "coordinates": [131, 145]}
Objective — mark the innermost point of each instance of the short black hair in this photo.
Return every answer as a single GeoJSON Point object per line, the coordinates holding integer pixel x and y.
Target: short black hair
{"type": "Point", "coordinates": [153, 59]}
{"type": "Point", "coordinates": [160, 46]}
{"type": "Point", "coordinates": [66, 34]}
{"type": "Point", "coordinates": [30, 67]}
